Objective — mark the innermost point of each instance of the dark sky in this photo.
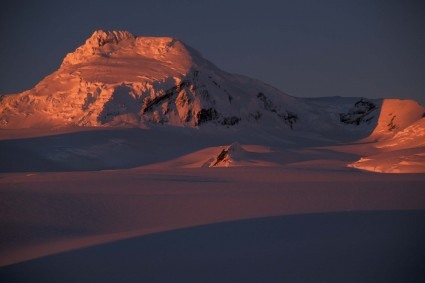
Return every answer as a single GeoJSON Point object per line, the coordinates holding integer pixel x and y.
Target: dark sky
{"type": "Point", "coordinates": [365, 48]}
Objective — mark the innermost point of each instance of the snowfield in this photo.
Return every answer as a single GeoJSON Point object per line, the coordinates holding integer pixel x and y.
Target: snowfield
{"type": "Point", "coordinates": [139, 160]}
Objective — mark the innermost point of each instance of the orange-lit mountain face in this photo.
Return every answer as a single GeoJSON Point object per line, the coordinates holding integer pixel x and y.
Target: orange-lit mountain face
{"type": "Point", "coordinates": [116, 78]}
{"type": "Point", "coordinates": [111, 77]}
{"type": "Point", "coordinates": [400, 152]}
{"type": "Point", "coordinates": [121, 80]}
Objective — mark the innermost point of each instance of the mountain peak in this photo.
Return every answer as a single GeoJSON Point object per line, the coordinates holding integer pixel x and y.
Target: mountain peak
{"type": "Point", "coordinates": [101, 37]}
{"type": "Point", "coordinates": [103, 44]}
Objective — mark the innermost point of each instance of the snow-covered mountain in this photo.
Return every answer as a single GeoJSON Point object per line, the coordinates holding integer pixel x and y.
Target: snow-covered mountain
{"type": "Point", "coordinates": [116, 79]}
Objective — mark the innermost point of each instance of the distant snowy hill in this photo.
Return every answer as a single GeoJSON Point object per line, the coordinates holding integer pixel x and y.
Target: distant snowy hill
{"type": "Point", "coordinates": [403, 152]}
{"type": "Point", "coordinates": [120, 80]}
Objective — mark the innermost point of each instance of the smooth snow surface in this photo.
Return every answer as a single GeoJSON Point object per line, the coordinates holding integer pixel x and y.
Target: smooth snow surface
{"type": "Point", "coordinates": [49, 213]}
{"type": "Point", "coordinates": [347, 247]}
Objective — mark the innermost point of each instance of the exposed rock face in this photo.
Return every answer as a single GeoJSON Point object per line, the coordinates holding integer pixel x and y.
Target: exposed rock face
{"type": "Point", "coordinates": [362, 112]}
{"type": "Point", "coordinates": [229, 155]}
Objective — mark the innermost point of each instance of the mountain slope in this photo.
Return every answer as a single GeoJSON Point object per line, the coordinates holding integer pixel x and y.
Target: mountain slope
{"type": "Point", "coordinates": [404, 152]}
{"type": "Point", "coordinates": [118, 79]}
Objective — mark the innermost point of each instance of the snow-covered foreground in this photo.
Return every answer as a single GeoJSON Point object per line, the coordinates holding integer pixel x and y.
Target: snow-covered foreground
{"type": "Point", "coordinates": [48, 213]}
{"type": "Point", "coordinates": [333, 247]}
{"type": "Point", "coordinates": [75, 189]}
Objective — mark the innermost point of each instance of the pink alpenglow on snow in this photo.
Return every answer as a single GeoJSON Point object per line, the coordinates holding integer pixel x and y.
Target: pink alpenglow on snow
{"type": "Point", "coordinates": [133, 136]}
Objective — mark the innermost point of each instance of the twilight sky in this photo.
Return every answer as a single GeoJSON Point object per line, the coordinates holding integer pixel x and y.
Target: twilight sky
{"type": "Point", "coordinates": [371, 48]}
